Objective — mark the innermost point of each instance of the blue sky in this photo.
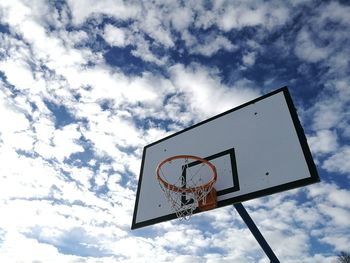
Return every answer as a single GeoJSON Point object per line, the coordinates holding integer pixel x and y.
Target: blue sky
{"type": "Point", "coordinates": [85, 85]}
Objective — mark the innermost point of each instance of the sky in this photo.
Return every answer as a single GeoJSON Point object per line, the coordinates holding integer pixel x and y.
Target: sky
{"type": "Point", "coordinates": [85, 85]}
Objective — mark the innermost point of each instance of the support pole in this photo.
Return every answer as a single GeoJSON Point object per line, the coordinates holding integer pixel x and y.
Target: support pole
{"type": "Point", "coordinates": [256, 233]}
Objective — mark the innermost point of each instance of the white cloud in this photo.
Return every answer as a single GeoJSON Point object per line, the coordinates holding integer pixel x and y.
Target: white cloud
{"type": "Point", "coordinates": [16, 11]}
{"type": "Point", "coordinates": [181, 18]}
{"type": "Point", "coordinates": [24, 178]}
{"type": "Point", "coordinates": [30, 249]}
{"type": "Point", "coordinates": [146, 250]}
{"type": "Point", "coordinates": [212, 45]}
{"type": "Point", "coordinates": [338, 240]}
{"type": "Point", "coordinates": [237, 17]}
{"type": "Point", "coordinates": [341, 85]}
{"type": "Point", "coordinates": [339, 162]}
{"type": "Point", "coordinates": [335, 12]}
{"type": "Point", "coordinates": [249, 59]}
{"type": "Point", "coordinates": [240, 239]}
{"type": "Point", "coordinates": [114, 36]}
{"type": "Point", "coordinates": [325, 141]}
{"type": "Point", "coordinates": [153, 25]}
{"type": "Point", "coordinates": [324, 214]}
{"type": "Point", "coordinates": [104, 83]}
{"type": "Point", "coordinates": [322, 38]}
{"type": "Point", "coordinates": [15, 131]}
{"type": "Point", "coordinates": [143, 51]}
{"type": "Point", "coordinates": [39, 11]}
{"type": "Point", "coordinates": [250, 13]}
{"type": "Point", "coordinates": [203, 90]}
{"type": "Point", "coordinates": [330, 121]}
{"type": "Point", "coordinates": [326, 192]}
{"type": "Point", "coordinates": [328, 113]}
{"type": "Point", "coordinates": [185, 240]}
{"type": "Point", "coordinates": [333, 208]}
{"type": "Point", "coordinates": [81, 175]}
{"type": "Point", "coordinates": [339, 216]}
{"type": "Point", "coordinates": [309, 217]}
{"type": "Point", "coordinates": [15, 120]}
{"type": "Point", "coordinates": [308, 50]}
{"type": "Point", "coordinates": [294, 244]}
{"type": "Point", "coordinates": [13, 69]}
{"type": "Point", "coordinates": [82, 10]}
{"type": "Point", "coordinates": [57, 144]}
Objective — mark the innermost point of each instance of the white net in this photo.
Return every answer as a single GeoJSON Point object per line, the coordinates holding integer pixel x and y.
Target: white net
{"type": "Point", "coordinates": [186, 182]}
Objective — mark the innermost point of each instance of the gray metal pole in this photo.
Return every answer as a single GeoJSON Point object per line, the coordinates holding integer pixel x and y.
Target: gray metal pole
{"type": "Point", "coordinates": [256, 233]}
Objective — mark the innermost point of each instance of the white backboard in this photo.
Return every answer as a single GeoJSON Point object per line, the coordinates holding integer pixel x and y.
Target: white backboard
{"type": "Point", "coordinates": [258, 148]}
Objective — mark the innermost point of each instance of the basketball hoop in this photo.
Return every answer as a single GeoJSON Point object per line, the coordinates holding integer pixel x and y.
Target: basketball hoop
{"type": "Point", "coordinates": [187, 185]}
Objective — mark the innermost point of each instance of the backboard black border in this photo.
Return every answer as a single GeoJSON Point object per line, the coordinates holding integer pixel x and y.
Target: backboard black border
{"type": "Point", "coordinates": [314, 177]}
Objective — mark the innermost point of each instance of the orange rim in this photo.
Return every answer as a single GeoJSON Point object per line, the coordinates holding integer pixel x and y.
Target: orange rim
{"type": "Point", "coordinates": [174, 188]}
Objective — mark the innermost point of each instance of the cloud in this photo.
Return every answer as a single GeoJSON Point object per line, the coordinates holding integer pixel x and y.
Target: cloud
{"type": "Point", "coordinates": [81, 10]}
{"type": "Point", "coordinates": [115, 36]}
{"type": "Point", "coordinates": [333, 210]}
{"type": "Point", "coordinates": [153, 20]}
{"type": "Point", "coordinates": [328, 113]}
{"type": "Point", "coordinates": [308, 50]}
{"type": "Point", "coordinates": [12, 115]}
{"type": "Point", "coordinates": [325, 141]}
{"type": "Point", "coordinates": [330, 122]}
{"type": "Point", "coordinates": [14, 68]}
{"type": "Point", "coordinates": [202, 87]}
{"type": "Point", "coordinates": [30, 177]}
{"type": "Point", "coordinates": [31, 248]}
{"type": "Point", "coordinates": [64, 142]}
{"type": "Point", "coordinates": [249, 14]}
{"type": "Point", "coordinates": [321, 39]}
{"type": "Point", "coordinates": [338, 240]}
{"type": "Point", "coordinates": [336, 214]}
{"type": "Point", "coordinates": [339, 162]}
{"type": "Point", "coordinates": [181, 18]}
{"type": "Point", "coordinates": [249, 59]}
{"type": "Point", "coordinates": [212, 45]}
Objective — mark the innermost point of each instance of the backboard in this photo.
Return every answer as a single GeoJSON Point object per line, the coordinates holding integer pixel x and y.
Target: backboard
{"type": "Point", "coordinates": [258, 148]}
